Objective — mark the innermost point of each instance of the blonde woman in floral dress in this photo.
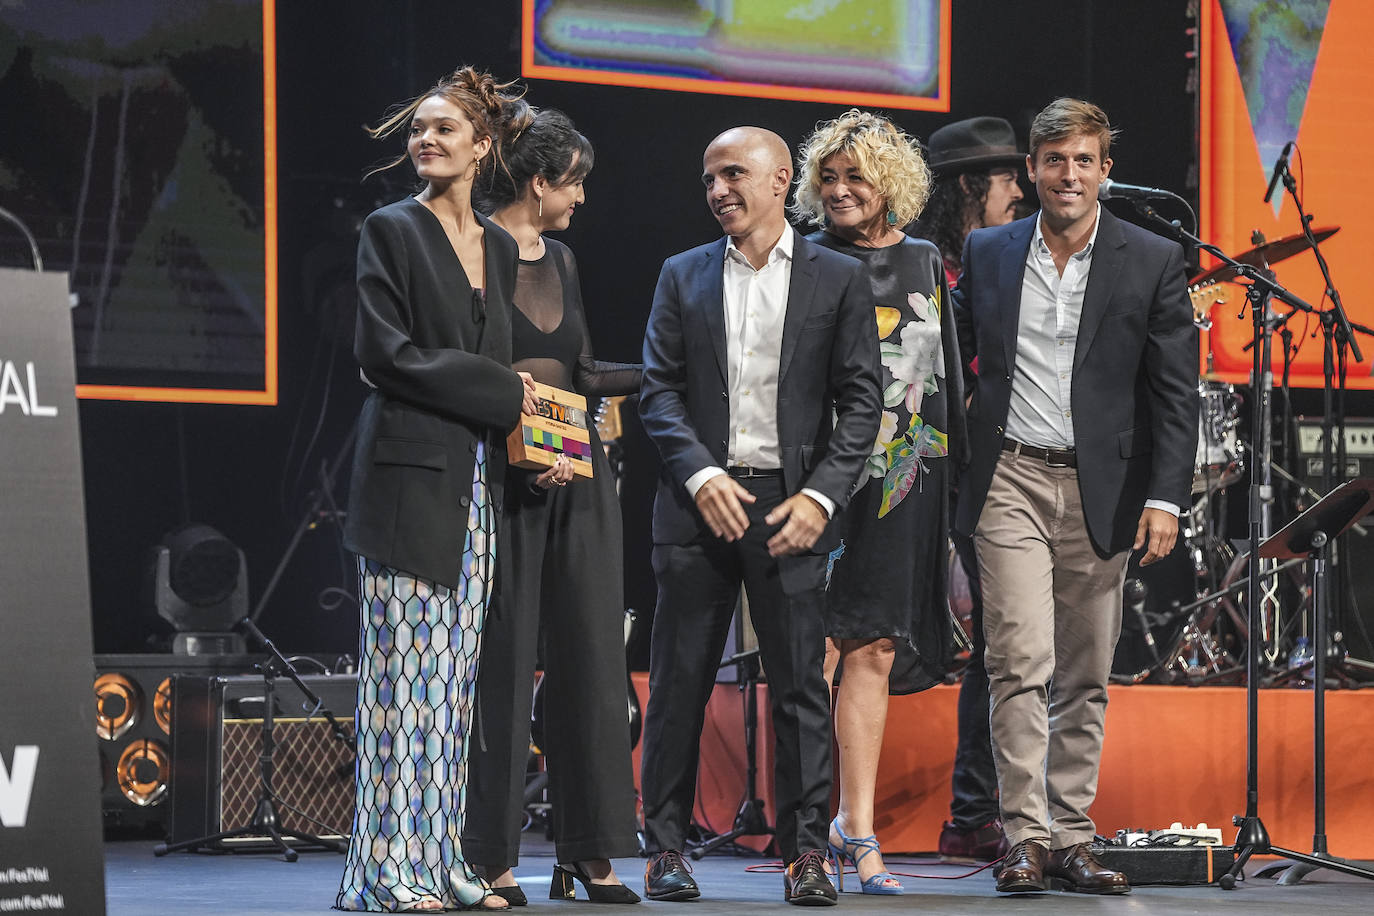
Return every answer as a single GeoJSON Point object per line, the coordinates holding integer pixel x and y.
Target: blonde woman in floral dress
{"type": "Point", "coordinates": [862, 179]}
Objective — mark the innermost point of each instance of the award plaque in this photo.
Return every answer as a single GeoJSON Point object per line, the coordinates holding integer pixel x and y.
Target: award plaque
{"type": "Point", "coordinates": [559, 427]}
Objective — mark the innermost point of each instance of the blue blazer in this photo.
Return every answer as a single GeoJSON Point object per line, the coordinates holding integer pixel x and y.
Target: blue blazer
{"type": "Point", "coordinates": [1134, 388]}
{"type": "Point", "coordinates": [829, 404]}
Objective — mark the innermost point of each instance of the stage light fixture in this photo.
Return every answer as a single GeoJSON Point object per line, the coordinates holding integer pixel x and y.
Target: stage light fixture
{"type": "Point", "coordinates": [200, 587]}
{"type": "Point", "coordinates": [143, 772]}
{"type": "Point", "coordinates": [162, 705]}
{"type": "Point", "coordinates": [118, 702]}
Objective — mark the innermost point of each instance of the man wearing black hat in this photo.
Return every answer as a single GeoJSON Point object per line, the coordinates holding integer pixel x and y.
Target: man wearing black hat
{"type": "Point", "coordinates": [976, 165]}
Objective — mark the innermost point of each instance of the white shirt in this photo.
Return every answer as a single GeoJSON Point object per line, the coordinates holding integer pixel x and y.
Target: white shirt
{"type": "Point", "coordinates": [1041, 409]}
{"type": "Point", "coordinates": [755, 309]}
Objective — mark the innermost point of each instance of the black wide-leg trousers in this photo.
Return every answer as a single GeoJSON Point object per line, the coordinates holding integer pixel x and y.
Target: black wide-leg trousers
{"type": "Point", "coordinates": [566, 563]}
{"type": "Point", "coordinates": [698, 586]}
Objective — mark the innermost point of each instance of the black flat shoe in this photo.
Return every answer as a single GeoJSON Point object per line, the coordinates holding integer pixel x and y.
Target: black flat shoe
{"type": "Point", "coordinates": [514, 895]}
{"type": "Point", "coordinates": [668, 877]}
{"type": "Point", "coordinates": [561, 887]}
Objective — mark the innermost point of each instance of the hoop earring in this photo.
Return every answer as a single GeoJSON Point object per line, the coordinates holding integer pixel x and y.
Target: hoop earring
{"type": "Point", "coordinates": [891, 218]}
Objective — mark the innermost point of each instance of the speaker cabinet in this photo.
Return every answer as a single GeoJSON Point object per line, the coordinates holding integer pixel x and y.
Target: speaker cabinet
{"type": "Point", "coordinates": [216, 747]}
{"type": "Point", "coordinates": [1353, 585]}
{"type": "Point", "coordinates": [133, 723]}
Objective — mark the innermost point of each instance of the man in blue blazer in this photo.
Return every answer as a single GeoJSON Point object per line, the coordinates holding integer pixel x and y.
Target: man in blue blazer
{"type": "Point", "coordinates": [1082, 432]}
{"type": "Point", "coordinates": [761, 392]}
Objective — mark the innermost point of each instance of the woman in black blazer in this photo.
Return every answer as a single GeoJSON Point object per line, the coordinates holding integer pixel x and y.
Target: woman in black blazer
{"type": "Point", "coordinates": [435, 281]}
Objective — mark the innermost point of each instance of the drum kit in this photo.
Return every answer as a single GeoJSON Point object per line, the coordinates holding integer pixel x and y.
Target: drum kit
{"type": "Point", "coordinates": [1184, 618]}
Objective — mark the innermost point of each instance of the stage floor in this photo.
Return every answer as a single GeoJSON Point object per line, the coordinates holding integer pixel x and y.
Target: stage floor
{"type": "Point", "coordinates": [138, 884]}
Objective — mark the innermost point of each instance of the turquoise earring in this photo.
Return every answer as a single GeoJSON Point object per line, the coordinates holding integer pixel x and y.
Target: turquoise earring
{"type": "Point", "coordinates": [891, 218]}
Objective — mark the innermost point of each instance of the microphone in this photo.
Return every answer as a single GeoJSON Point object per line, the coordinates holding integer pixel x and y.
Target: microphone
{"type": "Point", "coordinates": [1280, 166]}
{"type": "Point", "coordinates": [1119, 190]}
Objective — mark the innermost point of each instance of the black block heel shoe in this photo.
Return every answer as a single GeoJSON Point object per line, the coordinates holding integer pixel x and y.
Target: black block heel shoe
{"type": "Point", "coordinates": [514, 895]}
{"type": "Point", "coordinates": [561, 887]}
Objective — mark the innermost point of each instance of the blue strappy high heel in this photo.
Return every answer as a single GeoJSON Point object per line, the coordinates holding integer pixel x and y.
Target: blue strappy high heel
{"type": "Point", "coordinates": [855, 849]}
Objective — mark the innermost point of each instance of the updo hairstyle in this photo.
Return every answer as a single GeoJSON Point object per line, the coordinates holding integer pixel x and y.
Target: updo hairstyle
{"type": "Point", "coordinates": [540, 142]}
{"type": "Point", "coordinates": [489, 105]}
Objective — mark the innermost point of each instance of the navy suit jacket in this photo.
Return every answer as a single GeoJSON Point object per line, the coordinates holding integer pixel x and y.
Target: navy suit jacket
{"type": "Point", "coordinates": [828, 399]}
{"type": "Point", "coordinates": [1134, 387]}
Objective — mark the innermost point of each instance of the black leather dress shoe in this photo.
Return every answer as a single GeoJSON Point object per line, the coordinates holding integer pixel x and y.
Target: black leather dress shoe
{"type": "Point", "coordinates": [1023, 870]}
{"type": "Point", "coordinates": [1075, 868]}
{"type": "Point", "coordinates": [805, 882]}
{"type": "Point", "coordinates": [668, 877]}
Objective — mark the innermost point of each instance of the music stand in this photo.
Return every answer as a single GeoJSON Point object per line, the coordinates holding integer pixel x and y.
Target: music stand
{"type": "Point", "coordinates": [1308, 536]}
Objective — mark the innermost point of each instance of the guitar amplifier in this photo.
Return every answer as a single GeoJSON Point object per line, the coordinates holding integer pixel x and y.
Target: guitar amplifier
{"type": "Point", "coordinates": [1359, 448]}
{"type": "Point", "coordinates": [1354, 587]}
{"type": "Point", "coordinates": [216, 747]}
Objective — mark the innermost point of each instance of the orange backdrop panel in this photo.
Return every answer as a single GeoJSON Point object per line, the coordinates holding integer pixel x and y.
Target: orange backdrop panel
{"type": "Point", "coordinates": [1336, 140]}
{"type": "Point", "coordinates": [1171, 754]}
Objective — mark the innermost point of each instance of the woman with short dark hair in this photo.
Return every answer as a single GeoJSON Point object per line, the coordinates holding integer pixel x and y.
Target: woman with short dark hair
{"type": "Point", "coordinates": [562, 535]}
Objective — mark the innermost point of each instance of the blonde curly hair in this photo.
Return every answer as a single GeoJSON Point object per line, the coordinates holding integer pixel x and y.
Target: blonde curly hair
{"type": "Point", "coordinates": [889, 159]}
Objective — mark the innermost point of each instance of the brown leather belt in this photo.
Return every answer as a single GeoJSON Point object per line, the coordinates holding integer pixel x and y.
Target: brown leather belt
{"type": "Point", "coordinates": [1054, 457]}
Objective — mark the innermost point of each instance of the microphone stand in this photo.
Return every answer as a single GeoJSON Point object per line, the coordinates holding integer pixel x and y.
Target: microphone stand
{"type": "Point", "coordinates": [1251, 837]}
{"type": "Point", "coordinates": [750, 819]}
{"type": "Point", "coordinates": [1338, 333]}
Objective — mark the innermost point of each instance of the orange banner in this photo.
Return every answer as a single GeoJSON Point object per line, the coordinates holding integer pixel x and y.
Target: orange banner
{"type": "Point", "coordinates": [1335, 153]}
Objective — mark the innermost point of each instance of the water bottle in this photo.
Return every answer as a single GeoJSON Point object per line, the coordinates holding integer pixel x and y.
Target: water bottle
{"type": "Point", "coordinates": [1301, 658]}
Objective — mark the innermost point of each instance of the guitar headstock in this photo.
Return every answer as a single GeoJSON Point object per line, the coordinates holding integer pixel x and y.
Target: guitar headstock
{"type": "Point", "coordinates": [1203, 297]}
{"type": "Point", "coordinates": [608, 425]}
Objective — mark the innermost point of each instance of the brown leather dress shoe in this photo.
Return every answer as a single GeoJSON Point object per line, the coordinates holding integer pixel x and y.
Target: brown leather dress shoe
{"type": "Point", "coordinates": [1023, 870]}
{"type": "Point", "coordinates": [1075, 868]}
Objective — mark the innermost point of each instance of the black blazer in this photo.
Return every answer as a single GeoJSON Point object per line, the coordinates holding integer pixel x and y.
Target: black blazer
{"type": "Point", "coordinates": [1134, 387]}
{"type": "Point", "coordinates": [828, 368]}
{"type": "Point", "coordinates": [440, 364]}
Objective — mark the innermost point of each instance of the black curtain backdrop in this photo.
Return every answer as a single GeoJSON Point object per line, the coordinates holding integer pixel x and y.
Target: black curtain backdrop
{"type": "Point", "coordinates": [248, 471]}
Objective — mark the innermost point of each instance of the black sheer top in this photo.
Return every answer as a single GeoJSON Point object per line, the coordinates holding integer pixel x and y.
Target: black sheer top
{"type": "Point", "coordinates": [549, 337]}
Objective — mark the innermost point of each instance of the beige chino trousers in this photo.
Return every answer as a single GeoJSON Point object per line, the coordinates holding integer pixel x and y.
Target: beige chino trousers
{"type": "Point", "coordinates": [1051, 618]}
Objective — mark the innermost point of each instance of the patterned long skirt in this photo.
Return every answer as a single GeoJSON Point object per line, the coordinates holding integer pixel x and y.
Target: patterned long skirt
{"type": "Point", "coordinates": [417, 670]}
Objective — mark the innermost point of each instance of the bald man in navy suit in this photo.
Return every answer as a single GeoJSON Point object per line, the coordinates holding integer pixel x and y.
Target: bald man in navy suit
{"type": "Point", "coordinates": [761, 392]}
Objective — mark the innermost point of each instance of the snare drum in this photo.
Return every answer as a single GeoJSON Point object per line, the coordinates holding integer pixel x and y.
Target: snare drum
{"type": "Point", "coordinates": [1219, 462]}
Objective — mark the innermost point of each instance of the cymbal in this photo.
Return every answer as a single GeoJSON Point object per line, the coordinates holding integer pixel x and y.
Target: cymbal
{"type": "Point", "coordinates": [1268, 253]}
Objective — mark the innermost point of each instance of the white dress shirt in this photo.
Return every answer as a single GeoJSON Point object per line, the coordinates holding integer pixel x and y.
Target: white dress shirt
{"type": "Point", "coordinates": [755, 309]}
{"type": "Point", "coordinates": [1041, 409]}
